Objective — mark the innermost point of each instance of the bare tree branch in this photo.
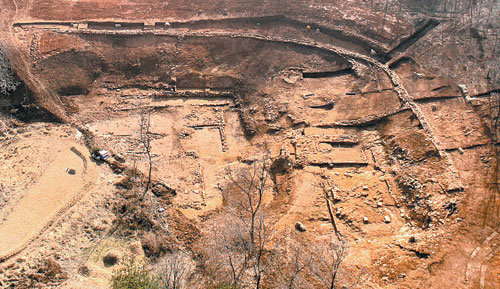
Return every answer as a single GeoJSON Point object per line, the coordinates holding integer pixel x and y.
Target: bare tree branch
{"type": "Point", "coordinates": [145, 139]}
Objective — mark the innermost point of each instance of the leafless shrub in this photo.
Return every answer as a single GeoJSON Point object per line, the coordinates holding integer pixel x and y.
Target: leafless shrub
{"type": "Point", "coordinates": [134, 215]}
{"type": "Point", "coordinates": [327, 262]}
{"type": "Point", "coordinates": [224, 250]}
{"type": "Point", "coordinates": [174, 269]}
{"type": "Point", "coordinates": [292, 262]}
{"type": "Point", "coordinates": [130, 179]}
{"type": "Point", "coordinates": [47, 273]}
{"type": "Point", "coordinates": [298, 263]}
{"type": "Point", "coordinates": [156, 244]}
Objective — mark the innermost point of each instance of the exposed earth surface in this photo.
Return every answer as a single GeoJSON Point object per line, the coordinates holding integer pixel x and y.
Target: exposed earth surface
{"type": "Point", "coordinates": [390, 106]}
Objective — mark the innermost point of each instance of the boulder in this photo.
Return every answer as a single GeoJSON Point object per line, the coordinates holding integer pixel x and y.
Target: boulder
{"type": "Point", "coordinates": [300, 227]}
{"type": "Point", "coordinates": [119, 158]}
{"type": "Point", "coordinates": [160, 189]}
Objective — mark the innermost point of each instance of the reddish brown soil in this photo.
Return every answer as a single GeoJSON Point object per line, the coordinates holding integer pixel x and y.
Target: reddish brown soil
{"type": "Point", "coordinates": [411, 156]}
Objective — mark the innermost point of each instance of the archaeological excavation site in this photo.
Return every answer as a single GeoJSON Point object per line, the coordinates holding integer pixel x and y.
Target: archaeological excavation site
{"type": "Point", "coordinates": [227, 144]}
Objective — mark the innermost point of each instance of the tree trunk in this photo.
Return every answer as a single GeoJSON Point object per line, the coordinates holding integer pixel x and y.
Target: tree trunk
{"type": "Point", "coordinates": [148, 183]}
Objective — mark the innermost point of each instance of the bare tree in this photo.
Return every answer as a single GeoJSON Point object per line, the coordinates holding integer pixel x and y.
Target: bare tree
{"type": "Point", "coordinates": [293, 261]}
{"type": "Point", "coordinates": [262, 237]}
{"type": "Point", "coordinates": [237, 248]}
{"type": "Point", "coordinates": [225, 250]}
{"type": "Point", "coordinates": [297, 267]}
{"type": "Point", "coordinates": [494, 118]}
{"type": "Point", "coordinates": [305, 265]}
{"type": "Point", "coordinates": [235, 245]}
{"type": "Point", "coordinates": [173, 270]}
{"type": "Point", "coordinates": [145, 139]}
{"type": "Point", "coordinates": [251, 186]}
{"type": "Point", "coordinates": [248, 200]}
{"type": "Point", "coordinates": [328, 262]}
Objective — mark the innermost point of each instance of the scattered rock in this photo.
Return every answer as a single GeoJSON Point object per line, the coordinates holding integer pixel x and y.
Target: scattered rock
{"type": "Point", "coordinates": [84, 270]}
{"type": "Point", "coordinates": [116, 167]}
{"type": "Point", "coordinates": [365, 187]}
{"type": "Point", "coordinates": [387, 219]}
{"type": "Point", "coordinates": [461, 151]}
{"type": "Point", "coordinates": [49, 271]}
{"type": "Point", "coordinates": [97, 225]}
{"type": "Point", "coordinates": [193, 154]}
{"type": "Point", "coordinates": [365, 220]}
{"type": "Point", "coordinates": [418, 75]}
{"type": "Point", "coordinates": [119, 158]}
{"type": "Point", "coordinates": [160, 189]}
{"type": "Point", "coordinates": [379, 204]}
{"type": "Point", "coordinates": [464, 90]}
{"type": "Point", "coordinates": [412, 240]}
{"type": "Point", "coordinates": [71, 171]}
{"type": "Point", "coordinates": [300, 227]}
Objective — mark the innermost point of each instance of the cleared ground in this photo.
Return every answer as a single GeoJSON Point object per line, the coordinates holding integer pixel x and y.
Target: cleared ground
{"type": "Point", "coordinates": [50, 195]}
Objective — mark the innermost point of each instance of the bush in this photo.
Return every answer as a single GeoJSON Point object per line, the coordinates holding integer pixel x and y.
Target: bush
{"type": "Point", "coordinates": [8, 80]}
{"type": "Point", "coordinates": [156, 244]}
{"type": "Point", "coordinates": [134, 276]}
{"type": "Point", "coordinates": [94, 150]}
{"type": "Point", "coordinates": [46, 272]}
{"type": "Point", "coordinates": [130, 180]}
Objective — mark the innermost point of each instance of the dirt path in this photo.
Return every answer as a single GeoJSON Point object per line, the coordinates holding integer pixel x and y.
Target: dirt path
{"type": "Point", "coordinates": [54, 192]}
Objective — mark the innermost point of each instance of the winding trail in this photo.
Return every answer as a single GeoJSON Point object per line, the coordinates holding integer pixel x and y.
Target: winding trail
{"type": "Point", "coordinates": [53, 193]}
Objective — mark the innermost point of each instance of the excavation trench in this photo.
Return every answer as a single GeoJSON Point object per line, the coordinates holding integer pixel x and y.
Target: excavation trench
{"type": "Point", "coordinates": [326, 74]}
{"type": "Point", "coordinates": [347, 54]}
{"type": "Point", "coordinates": [405, 44]}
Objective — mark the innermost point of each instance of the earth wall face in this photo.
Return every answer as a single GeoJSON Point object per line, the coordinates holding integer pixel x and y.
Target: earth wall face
{"type": "Point", "coordinates": [388, 108]}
